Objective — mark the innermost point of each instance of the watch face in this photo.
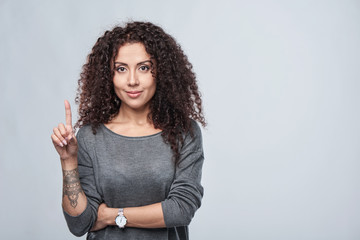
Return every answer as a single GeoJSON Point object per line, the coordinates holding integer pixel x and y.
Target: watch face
{"type": "Point", "coordinates": [117, 220]}
{"type": "Point", "coordinates": [120, 221]}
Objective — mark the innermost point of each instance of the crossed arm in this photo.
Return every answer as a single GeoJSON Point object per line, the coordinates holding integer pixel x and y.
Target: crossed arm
{"type": "Point", "coordinates": [75, 201]}
{"type": "Point", "coordinates": [86, 212]}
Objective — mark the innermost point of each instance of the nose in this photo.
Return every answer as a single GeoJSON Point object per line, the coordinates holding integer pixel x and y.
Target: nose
{"type": "Point", "coordinates": [133, 79]}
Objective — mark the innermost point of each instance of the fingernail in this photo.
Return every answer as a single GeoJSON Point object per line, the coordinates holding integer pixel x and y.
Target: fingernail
{"type": "Point", "coordinates": [64, 142]}
{"type": "Point", "coordinates": [61, 145]}
{"type": "Point", "coordinates": [69, 138]}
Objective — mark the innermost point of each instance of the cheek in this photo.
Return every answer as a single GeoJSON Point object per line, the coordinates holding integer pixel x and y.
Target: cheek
{"type": "Point", "coordinates": [118, 82]}
{"type": "Point", "coordinates": [118, 88]}
{"type": "Point", "coordinates": [150, 84]}
{"type": "Point", "coordinates": [152, 88]}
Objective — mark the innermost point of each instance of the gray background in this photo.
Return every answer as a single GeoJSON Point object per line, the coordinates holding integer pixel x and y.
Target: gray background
{"type": "Point", "coordinates": [280, 84]}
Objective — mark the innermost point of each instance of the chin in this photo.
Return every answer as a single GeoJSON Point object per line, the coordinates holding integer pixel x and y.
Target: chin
{"type": "Point", "coordinates": [137, 106]}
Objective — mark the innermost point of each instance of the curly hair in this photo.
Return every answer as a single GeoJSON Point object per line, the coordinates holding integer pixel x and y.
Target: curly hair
{"type": "Point", "coordinates": [176, 101]}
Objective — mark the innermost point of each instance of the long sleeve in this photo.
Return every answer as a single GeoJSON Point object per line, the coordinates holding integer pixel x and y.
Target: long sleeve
{"type": "Point", "coordinates": [81, 224]}
{"type": "Point", "coordinates": [186, 190]}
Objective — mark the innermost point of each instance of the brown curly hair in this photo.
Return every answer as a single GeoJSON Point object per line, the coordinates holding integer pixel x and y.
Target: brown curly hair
{"type": "Point", "coordinates": [176, 100]}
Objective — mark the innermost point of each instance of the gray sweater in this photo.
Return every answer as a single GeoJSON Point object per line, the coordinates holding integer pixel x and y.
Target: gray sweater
{"type": "Point", "coordinates": [126, 171]}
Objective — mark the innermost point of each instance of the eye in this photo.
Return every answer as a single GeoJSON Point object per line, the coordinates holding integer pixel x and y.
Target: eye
{"type": "Point", "coordinates": [144, 68]}
{"type": "Point", "coordinates": [120, 69]}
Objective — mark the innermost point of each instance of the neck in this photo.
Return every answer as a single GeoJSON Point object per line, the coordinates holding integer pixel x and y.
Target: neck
{"type": "Point", "coordinates": [134, 116]}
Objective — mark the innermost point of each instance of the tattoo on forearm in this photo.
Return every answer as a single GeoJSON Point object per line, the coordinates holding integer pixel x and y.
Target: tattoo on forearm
{"type": "Point", "coordinates": [71, 186]}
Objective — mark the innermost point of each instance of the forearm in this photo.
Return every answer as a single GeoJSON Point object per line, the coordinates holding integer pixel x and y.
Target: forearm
{"type": "Point", "coordinates": [149, 216]}
{"type": "Point", "coordinates": [73, 200]}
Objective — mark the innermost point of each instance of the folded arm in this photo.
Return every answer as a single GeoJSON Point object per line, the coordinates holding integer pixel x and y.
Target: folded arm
{"type": "Point", "coordinates": [183, 200]}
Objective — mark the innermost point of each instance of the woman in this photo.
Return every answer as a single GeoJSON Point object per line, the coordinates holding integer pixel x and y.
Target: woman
{"type": "Point", "coordinates": [133, 170]}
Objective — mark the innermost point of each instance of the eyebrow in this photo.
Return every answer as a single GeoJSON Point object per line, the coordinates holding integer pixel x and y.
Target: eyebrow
{"type": "Point", "coordinates": [125, 64]}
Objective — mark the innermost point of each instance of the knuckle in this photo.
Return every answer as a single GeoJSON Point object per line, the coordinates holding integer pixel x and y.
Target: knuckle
{"type": "Point", "coordinates": [54, 138]}
{"type": "Point", "coordinates": [62, 131]}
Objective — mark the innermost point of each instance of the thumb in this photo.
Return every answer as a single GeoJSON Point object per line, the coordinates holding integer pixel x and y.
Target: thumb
{"type": "Point", "coordinates": [71, 138]}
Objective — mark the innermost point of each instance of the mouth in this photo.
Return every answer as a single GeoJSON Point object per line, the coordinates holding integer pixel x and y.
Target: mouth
{"type": "Point", "coordinates": [133, 94]}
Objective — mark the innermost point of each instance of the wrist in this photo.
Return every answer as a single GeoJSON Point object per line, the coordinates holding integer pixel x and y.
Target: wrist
{"type": "Point", "coordinates": [69, 164]}
{"type": "Point", "coordinates": [111, 214]}
{"type": "Point", "coordinates": [120, 219]}
{"type": "Point", "coordinates": [107, 215]}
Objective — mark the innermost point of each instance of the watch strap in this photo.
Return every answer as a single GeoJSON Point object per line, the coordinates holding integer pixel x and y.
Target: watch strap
{"type": "Point", "coordinates": [121, 212]}
{"type": "Point", "coordinates": [121, 220]}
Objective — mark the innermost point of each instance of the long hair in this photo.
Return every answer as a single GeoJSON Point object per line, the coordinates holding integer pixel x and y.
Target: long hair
{"type": "Point", "coordinates": [176, 101]}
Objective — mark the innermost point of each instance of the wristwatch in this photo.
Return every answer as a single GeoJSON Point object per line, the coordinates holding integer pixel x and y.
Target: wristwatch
{"type": "Point", "coordinates": [121, 220]}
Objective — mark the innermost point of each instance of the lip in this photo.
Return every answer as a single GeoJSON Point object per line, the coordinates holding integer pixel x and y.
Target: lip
{"type": "Point", "coordinates": [133, 94]}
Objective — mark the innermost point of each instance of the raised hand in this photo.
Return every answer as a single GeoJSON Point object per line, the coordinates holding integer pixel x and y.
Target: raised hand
{"type": "Point", "coordinates": [64, 139]}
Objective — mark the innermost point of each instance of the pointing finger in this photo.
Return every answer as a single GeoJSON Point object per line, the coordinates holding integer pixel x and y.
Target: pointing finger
{"type": "Point", "coordinates": [68, 113]}
{"type": "Point", "coordinates": [69, 132]}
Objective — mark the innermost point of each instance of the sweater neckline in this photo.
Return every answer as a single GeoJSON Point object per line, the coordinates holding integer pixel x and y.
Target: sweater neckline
{"type": "Point", "coordinates": [107, 130]}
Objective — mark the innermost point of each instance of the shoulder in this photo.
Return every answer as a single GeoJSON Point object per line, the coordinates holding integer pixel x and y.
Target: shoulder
{"type": "Point", "coordinates": [85, 132]}
{"type": "Point", "coordinates": [193, 138]}
{"type": "Point", "coordinates": [195, 128]}
{"type": "Point", "coordinates": [86, 136]}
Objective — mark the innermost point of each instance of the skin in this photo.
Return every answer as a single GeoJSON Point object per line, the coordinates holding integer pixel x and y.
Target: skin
{"type": "Point", "coordinates": [74, 200]}
{"type": "Point", "coordinates": [132, 73]}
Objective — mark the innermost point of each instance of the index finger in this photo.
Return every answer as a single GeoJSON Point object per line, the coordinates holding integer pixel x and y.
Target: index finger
{"type": "Point", "coordinates": [68, 113]}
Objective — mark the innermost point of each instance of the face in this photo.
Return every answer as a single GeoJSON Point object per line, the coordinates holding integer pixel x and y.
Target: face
{"type": "Point", "coordinates": [133, 81]}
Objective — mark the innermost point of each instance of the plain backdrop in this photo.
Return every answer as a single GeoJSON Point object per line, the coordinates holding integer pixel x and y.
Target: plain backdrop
{"type": "Point", "coordinates": [280, 82]}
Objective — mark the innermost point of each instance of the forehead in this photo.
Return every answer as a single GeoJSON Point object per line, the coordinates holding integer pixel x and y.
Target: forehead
{"type": "Point", "coordinates": [132, 52]}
